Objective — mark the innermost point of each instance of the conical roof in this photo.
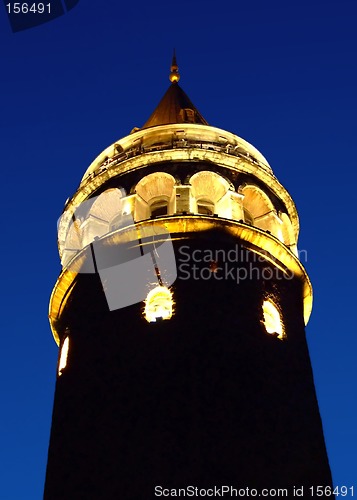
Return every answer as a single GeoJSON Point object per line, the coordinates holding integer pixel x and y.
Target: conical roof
{"type": "Point", "coordinates": [175, 106]}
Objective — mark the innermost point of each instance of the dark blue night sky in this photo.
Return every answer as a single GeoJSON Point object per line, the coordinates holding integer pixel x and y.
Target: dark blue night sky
{"type": "Point", "coordinates": [282, 75]}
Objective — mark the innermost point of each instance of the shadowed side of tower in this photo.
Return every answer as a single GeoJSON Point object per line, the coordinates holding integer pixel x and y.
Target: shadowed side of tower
{"type": "Point", "coordinates": [209, 384]}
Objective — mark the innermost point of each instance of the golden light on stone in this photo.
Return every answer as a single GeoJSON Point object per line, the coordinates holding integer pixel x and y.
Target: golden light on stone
{"type": "Point", "coordinates": [208, 200]}
{"type": "Point", "coordinates": [271, 248]}
{"type": "Point", "coordinates": [158, 304]}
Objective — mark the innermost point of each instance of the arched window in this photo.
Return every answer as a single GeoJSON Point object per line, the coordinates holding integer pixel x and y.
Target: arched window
{"type": "Point", "coordinates": [159, 207]}
{"type": "Point", "coordinates": [158, 304]}
{"type": "Point", "coordinates": [205, 207]}
{"type": "Point", "coordinates": [73, 243]}
{"type": "Point", "coordinates": [272, 319]}
{"type": "Point", "coordinates": [259, 210]}
{"type": "Point", "coordinates": [154, 196]}
{"type": "Point", "coordinates": [106, 207]}
{"type": "Point", "coordinates": [211, 194]}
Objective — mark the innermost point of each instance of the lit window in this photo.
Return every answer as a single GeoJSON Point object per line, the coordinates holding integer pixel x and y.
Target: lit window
{"type": "Point", "coordinates": [158, 304]}
{"type": "Point", "coordinates": [272, 319]}
{"type": "Point", "coordinates": [205, 207]}
{"type": "Point", "coordinates": [63, 356]}
{"type": "Point", "coordinates": [158, 208]}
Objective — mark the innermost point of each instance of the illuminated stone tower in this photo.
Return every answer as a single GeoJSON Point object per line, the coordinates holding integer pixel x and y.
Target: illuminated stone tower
{"type": "Point", "coordinates": [203, 380]}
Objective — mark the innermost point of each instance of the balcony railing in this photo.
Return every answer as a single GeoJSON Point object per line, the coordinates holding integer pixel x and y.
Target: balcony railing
{"type": "Point", "coordinates": [227, 148]}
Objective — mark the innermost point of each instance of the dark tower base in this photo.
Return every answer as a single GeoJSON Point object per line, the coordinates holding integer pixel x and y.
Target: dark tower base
{"type": "Point", "coordinates": [206, 398]}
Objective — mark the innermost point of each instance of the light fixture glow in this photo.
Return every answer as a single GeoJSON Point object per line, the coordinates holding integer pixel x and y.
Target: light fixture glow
{"type": "Point", "coordinates": [158, 304]}
{"type": "Point", "coordinates": [64, 356]}
{"type": "Point", "coordinates": [272, 319]}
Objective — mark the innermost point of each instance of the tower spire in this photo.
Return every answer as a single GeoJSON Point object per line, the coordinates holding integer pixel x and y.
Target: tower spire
{"type": "Point", "coordinates": [174, 75]}
{"type": "Point", "coordinates": [175, 106]}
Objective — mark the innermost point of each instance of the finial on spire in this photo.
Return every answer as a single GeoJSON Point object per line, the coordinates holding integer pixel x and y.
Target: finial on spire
{"type": "Point", "coordinates": [174, 75]}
